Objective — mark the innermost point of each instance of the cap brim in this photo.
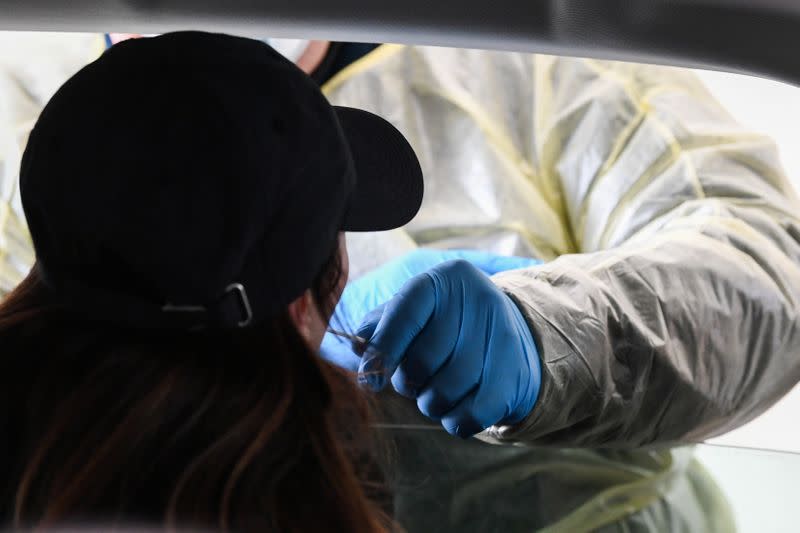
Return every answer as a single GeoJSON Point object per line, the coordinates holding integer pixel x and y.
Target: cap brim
{"type": "Point", "coordinates": [388, 191]}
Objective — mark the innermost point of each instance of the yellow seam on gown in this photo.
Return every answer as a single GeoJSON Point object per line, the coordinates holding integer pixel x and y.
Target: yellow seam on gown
{"type": "Point", "coordinates": [501, 144]}
{"type": "Point", "coordinates": [381, 53]}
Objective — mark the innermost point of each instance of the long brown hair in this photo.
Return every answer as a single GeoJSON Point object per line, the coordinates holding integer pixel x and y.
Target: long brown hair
{"type": "Point", "coordinates": [245, 430]}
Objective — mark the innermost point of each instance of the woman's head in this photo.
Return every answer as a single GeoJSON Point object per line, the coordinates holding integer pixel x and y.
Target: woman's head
{"type": "Point", "coordinates": [163, 349]}
{"type": "Point", "coordinates": [220, 198]}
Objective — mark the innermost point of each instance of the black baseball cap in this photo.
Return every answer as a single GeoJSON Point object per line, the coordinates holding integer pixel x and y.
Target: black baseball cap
{"type": "Point", "coordinates": [200, 180]}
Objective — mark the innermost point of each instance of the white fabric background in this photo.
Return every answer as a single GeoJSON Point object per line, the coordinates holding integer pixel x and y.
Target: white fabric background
{"type": "Point", "coordinates": [772, 108]}
{"type": "Point", "coordinates": [762, 485]}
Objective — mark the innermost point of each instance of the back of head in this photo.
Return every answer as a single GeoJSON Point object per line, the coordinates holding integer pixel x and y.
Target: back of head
{"type": "Point", "coordinates": [151, 368]}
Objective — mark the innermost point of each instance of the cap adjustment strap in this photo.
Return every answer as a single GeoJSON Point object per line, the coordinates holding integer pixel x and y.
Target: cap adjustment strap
{"type": "Point", "coordinates": [231, 309]}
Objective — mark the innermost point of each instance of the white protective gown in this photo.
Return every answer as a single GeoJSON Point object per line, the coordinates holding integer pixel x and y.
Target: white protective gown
{"type": "Point", "coordinates": [33, 65]}
{"type": "Point", "coordinates": [667, 312]}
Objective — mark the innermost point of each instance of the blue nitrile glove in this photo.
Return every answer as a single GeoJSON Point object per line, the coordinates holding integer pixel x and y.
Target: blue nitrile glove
{"type": "Point", "coordinates": [380, 285]}
{"type": "Point", "coordinates": [458, 345]}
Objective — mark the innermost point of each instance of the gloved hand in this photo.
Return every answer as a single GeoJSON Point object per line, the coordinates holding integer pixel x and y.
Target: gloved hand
{"type": "Point", "coordinates": [379, 286]}
{"type": "Point", "coordinates": [458, 345]}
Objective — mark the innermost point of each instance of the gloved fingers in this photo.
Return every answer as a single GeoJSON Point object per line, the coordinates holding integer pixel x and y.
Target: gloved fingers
{"type": "Point", "coordinates": [344, 352]}
{"type": "Point", "coordinates": [488, 402]}
{"type": "Point", "coordinates": [475, 412]}
{"type": "Point", "coordinates": [403, 317]}
{"type": "Point", "coordinates": [459, 376]}
{"type": "Point", "coordinates": [430, 350]}
{"type": "Point", "coordinates": [403, 385]}
{"type": "Point", "coordinates": [413, 375]}
{"type": "Point", "coordinates": [367, 327]}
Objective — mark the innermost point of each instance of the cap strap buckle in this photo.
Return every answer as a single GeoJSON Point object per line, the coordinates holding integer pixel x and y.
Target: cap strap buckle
{"type": "Point", "coordinates": [244, 302]}
{"type": "Point", "coordinates": [240, 310]}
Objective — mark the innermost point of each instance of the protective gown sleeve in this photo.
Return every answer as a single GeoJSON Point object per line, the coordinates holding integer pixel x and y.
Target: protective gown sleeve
{"type": "Point", "coordinates": [677, 319]}
{"type": "Point", "coordinates": [32, 67]}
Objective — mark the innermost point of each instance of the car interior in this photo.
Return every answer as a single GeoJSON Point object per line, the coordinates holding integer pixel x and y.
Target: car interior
{"type": "Point", "coordinates": [747, 49]}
